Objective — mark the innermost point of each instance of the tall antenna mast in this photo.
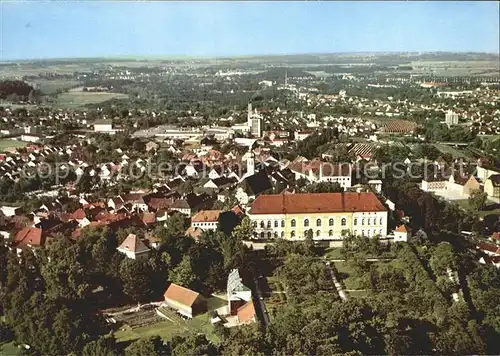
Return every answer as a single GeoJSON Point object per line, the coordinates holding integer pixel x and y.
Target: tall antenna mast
{"type": "Point", "coordinates": [286, 78]}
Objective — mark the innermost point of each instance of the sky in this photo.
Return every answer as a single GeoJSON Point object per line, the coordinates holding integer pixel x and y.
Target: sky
{"type": "Point", "coordinates": [66, 29]}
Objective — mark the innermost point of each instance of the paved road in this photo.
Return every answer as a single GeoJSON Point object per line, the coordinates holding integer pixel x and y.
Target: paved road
{"type": "Point", "coordinates": [338, 286]}
{"type": "Point", "coordinates": [258, 302]}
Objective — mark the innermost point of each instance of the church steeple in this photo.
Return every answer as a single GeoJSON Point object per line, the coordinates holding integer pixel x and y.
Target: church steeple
{"type": "Point", "coordinates": [250, 162]}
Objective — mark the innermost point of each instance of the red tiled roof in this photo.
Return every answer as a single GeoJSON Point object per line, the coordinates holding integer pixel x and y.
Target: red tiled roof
{"type": "Point", "coordinates": [79, 214]}
{"type": "Point", "coordinates": [29, 236]}
{"type": "Point", "coordinates": [238, 210]}
{"type": "Point", "coordinates": [401, 228]}
{"type": "Point", "coordinates": [246, 312]}
{"type": "Point", "coordinates": [496, 236]}
{"type": "Point", "coordinates": [148, 218]}
{"type": "Point", "coordinates": [489, 247]}
{"type": "Point", "coordinates": [206, 216]}
{"type": "Point", "coordinates": [160, 203]}
{"type": "Point", "coordinates": [181, 295]}
{"type": "Point", "coordinates": [194, 233]}
{"type": "Point", "coordinates": [316, 203]}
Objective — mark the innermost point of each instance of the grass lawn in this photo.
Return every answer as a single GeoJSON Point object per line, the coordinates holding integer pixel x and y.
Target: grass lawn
{"type": "Point", "coordinates": [6, 145]}
{"type": "Point", "coordinates": [464, 204]}
{"type": "Point", "coordinates": [9, 349]}
{"type": "Point", "coordinates": [345, 272]}
{"type": "Point", "coordinates": [81, 98]}
{"type": "Point", "coordinates": [333, 253]}
{"type": "Point", "coordinates": [166, 329]}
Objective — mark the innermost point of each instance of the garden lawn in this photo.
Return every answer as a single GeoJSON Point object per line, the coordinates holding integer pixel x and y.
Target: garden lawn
{"type": "Point", "coordinates": [166, 329]}
{"type": "Point", "coordinates": [8, 349]}
{"type": "Point", "coordinates": [346, 275]}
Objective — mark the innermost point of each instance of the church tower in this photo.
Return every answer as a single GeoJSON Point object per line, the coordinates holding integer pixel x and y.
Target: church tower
{"type": "Point", "coordinates": [250, 162]}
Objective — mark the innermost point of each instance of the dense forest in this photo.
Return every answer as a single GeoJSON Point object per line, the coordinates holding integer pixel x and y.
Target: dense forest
{"type": "Point", "coordinates": [14, 90]}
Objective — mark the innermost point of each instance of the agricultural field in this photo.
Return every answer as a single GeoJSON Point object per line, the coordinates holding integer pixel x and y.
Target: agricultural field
{"type": "Point", "coordinates": [456, 68]}
{"type": "Point", "coordinates": [455, 152]}
{"type": "Point", "coordinates": [9, 145]}
{"type": "Point", "coordinates": [81, 98]}
{"type": "Point", "coordinates": [48, 87]}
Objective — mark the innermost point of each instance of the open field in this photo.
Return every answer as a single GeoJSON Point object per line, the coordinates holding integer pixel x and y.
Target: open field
{"type": "Point", "coordinates": [8, 349]}
{"type": "Point", "coordinates": [48, 87]}
{"type": "Point", "coordinates": [455, 152]}
{"type": "Point", "coordinates": [8, 145]}
{"type": "Point", "coordinates": [81, 98]}
{"type": "Point", "coordinates": [456, 68]}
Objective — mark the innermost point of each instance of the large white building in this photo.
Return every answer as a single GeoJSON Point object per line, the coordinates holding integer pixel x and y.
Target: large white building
{"type": "Point", "coordinates": [451, 118]}
{"type": "Point", "coordinates": [254, 122]}
{"type": "Point", "coordinates": [328, 216]}
{"type": "Point", "coordinates": [317, 171]}
{"type": "Point", "coordinates": [206, 219]}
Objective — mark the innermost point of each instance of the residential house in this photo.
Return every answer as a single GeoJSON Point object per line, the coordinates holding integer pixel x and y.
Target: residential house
{"type": "Point", "coordinates": [484, 172]}
{"type": "Point", "coordinates": [193, 232]}
{"type": "Point", "coordinates": [115, 203]}
{"type": "Point", "coordinates": [206, 219]}
{"type": "Point", "coordinates": [134, 248]}
{"type": "Point", "coordinates": [489, 249]}
{"type": "Point", "coordinates": [328, 215]}
{"type": "Point", "coordinates": [136, 200]}
{"type": "Point", "coordinates": [401, 234]}
{"type": "Point", "coordinates": [318, 171]}
{"type": "Point", "coordinates": [492, 187]}
{"type": "Point", "coordinates": [185, 301]}
{"type": "Point", "coordinates": [462, 184]}
{"type": "Point", "coordinates": [190, 203]}
{"type": "Point", "coordinates": [29, 237]}
{"type": "Point", "coordinates": [10, 210]}
{"type": "Point", "coordinates": [216, 172]}
{"type": "Point", "coordinates": [151, 145]}
{"type": "Point", "coordinates": [252, 186]}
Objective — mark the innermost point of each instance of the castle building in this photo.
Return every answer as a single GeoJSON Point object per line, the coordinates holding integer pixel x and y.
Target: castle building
{"type": "Point", "coordinates": [328, 216]}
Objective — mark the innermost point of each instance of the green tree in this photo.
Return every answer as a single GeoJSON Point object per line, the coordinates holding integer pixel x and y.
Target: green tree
{"type": "Point", "coordinates": [64, 275]}
{"type": "Point", "coordinates": [183, 274]}
{"type": "Point", "coordinates": [150, 346]}
{"type": "Point", "coordinates": [324, 187]}
{"type": "Point", "coordinates": [477, 199]}
{"type": "Point", "coordinates": [104, 346]}
{"type": "Point", "coordinates": [443, 257]}
{"type": "Point", "coordinates": [136, 279]}
{"type": "Point", "coordinates": [192, 345]}
{"type": "Point", "coordinates": [244, 230]}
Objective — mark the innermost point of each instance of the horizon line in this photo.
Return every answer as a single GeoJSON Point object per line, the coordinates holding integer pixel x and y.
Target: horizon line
{"type": "Point", "coordinates": [180, 57]}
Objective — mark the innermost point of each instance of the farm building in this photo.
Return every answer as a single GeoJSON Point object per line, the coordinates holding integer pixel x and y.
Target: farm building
{"type": "Point", "coordinates": [185, 301]}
